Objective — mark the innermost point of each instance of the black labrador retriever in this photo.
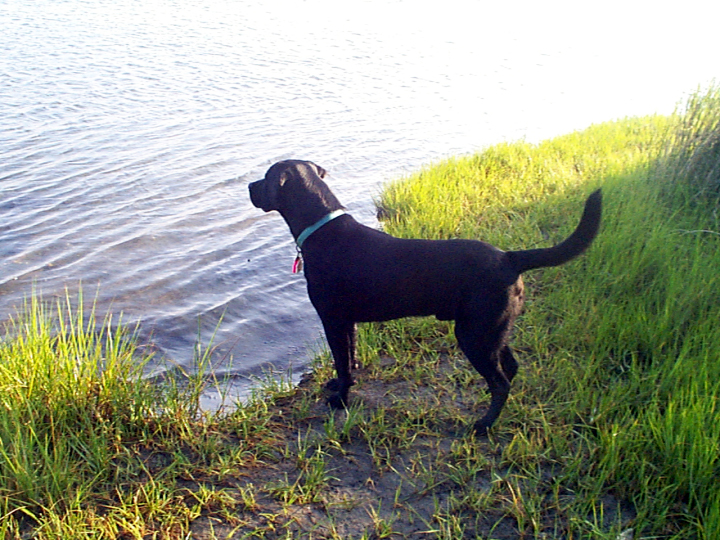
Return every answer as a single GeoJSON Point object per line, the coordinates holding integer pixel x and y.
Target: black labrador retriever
{"type": "Point", "coordinates": [358, 274]}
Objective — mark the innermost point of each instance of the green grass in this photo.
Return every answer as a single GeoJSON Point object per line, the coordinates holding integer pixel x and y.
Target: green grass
{"type": "Point", "coordinates": [66, 404]}
{"type": "Point", "coordinates": [692, 153]}
{"type": "Point", "coordinates": [80, 428]}
{"type": "Point", "coordinates": [613, 423]}
{"type": "Point", "coordinates": [625, 341]}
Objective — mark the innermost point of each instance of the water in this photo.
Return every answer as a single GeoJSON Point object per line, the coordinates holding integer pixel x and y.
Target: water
{"type": "Point", "coordinates": [130, 130]}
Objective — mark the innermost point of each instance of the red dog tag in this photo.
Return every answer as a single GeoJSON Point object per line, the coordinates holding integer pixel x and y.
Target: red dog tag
{"type": "Point", "coordinates": [297, 265]}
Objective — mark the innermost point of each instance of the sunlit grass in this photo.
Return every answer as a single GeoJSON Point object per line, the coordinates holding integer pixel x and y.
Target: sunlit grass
{"type": "Point", "coordinates": [69, 398]}
{"type": "Point", "coordinates": [622, 344]}
{"type": "Point", "coordinates": [81, 428]}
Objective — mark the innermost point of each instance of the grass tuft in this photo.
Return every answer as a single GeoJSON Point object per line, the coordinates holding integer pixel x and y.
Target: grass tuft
{"type": "Point", "coordinates": [692, 153]}
{"type": "Point", "coordinates": [69, 399]}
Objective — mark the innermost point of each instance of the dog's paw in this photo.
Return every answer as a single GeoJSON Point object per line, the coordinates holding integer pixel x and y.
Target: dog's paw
{"type": "Point", "coordinates": [480, 429]}
{"type": "Point", "coordinates": [336, 394]}
{"type": "Point", "coordinates": [336, 401]}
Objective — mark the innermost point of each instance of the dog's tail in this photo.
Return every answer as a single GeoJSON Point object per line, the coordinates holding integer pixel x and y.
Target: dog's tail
{"type": "Point", "coordinates": [568, 249]}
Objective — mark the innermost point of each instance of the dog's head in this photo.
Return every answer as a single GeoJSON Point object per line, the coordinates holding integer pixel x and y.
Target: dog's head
{"type": "Point", "coordinates": [294, 188]}
{"type": "Point", "coordinates": [288, 175]}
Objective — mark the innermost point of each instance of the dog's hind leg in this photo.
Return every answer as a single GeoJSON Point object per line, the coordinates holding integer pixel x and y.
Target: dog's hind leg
{"type": "Point", "coordinates": [486, 352]}
{"type": "Point", "coordinates": [341, 337]}
{"type": "Point", "coordinates": [354, 364]}
{"type": "Point", "coordinates": [508, 363]}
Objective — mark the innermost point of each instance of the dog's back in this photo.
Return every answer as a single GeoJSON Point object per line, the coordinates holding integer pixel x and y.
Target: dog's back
{"type": "Point", "coordinates": [362, 274]}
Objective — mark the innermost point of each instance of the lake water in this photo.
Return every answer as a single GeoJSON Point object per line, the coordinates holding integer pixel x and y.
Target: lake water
{"type": "Point", "coordinates": [129, 131]}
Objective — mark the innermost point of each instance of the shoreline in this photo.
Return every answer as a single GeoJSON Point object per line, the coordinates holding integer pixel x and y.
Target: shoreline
{"type": "Point", "coordinates": [587, 446]}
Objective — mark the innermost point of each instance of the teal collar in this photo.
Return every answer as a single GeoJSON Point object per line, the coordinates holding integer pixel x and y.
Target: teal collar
{"type": "Point", "coordinates": [315, 226]}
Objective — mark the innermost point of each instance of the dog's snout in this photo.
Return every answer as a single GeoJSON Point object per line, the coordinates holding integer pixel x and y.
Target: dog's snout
{"type": "Point", "coordinates": [254, 188]}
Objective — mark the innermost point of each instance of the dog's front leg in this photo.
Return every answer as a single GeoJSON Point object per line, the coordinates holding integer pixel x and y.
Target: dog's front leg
{"type": "Point", "coordinates": [341, 336]}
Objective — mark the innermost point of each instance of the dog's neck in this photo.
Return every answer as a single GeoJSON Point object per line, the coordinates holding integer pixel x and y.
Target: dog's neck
{"type": "Point", "coordinates": [318, 200]}
{"type": "Point", "coordinates": [315, 226]}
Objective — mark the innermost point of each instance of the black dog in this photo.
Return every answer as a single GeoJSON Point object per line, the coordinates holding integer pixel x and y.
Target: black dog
{"type": "Point", "coordinates": [358, 274]}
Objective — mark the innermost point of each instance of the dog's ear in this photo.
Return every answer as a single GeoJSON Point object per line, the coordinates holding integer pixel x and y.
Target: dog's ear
{"type": "Point", "coordinates": [321, 172]}
{"type": "Point", "coordinates": [284, 177]}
